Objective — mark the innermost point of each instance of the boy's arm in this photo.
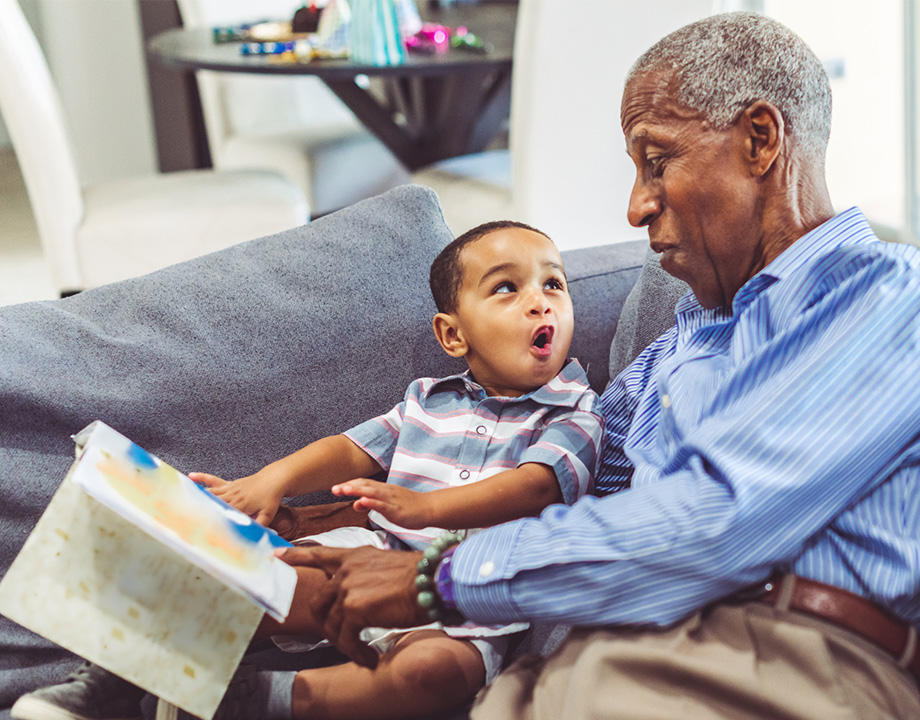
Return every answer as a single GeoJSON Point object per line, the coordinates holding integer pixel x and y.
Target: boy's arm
{"type": "Point", "coordinates": [509, 495]}
{"type": "Point", "coordinates": [318, 466]}
{"type": "Point", "coordinates": [557, 468]}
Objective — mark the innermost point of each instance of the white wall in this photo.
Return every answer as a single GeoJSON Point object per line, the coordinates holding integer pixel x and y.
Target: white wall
{"type": "Point", "coordinates": [95, 52]}
{"type": "Point", "coordinates": [866, 153]}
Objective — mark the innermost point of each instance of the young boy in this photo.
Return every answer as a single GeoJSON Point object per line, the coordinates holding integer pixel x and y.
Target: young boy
{"type": "Point", "coordinates": [518, 431]}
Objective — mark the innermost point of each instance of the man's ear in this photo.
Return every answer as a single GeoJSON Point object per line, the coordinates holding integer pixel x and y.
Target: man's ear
{"type": "Point", "coordinates": [765, 130]}
{"type": "Point", "coordinates": [447, 331]}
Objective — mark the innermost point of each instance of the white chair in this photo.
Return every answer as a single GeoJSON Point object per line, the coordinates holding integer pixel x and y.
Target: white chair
{"type": "Point", "coordinates": [112, 231]}
{"type": "Point", "coordinates": [566, 170]}
{"type": "Point", "coordinates": [294, 125]}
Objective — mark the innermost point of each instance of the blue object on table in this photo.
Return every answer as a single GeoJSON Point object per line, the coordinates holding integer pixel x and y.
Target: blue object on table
{"type": "Point", "coordinates": [266, 48]}
{"type": "Point", "coordinates": [375, 35]}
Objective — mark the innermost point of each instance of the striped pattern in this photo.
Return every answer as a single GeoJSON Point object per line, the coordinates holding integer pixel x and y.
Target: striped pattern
{"type": "Point", "coordinates": [784, 434]}
{"type": "Point", "coordinates": [448, 432]}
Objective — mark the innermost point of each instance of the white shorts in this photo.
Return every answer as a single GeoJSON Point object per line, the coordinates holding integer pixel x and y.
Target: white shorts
{"type": "Point", "coordinates": [492, 643]}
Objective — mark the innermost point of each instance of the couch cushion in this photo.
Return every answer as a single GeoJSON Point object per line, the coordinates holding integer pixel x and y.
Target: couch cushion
{"type": "Point", "coordinates": [220, 364]}
{"type": "Point", "coordinates": [600, 279]}
{"type": "Point", "coordinates": [647, 312]}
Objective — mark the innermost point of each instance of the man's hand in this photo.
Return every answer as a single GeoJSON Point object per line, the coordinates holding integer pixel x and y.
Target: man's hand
{"type": "Point", "coordinates": [253, 495]}
{"type": "Point", "coordinates": [411, 509]}
{"type": "Point", "coordinates": [366, 587]}
{"type": "Point", "coordinates": [293, 523]}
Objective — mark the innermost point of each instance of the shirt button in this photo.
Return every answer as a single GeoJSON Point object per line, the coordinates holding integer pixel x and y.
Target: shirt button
{"type": "Point", "coordinates": [464, 474]}
{"type": "Point", "coordinates": [666, 401]}
{"type": "Point", "coordinates": [486, 569]}
{"type": "Point", "coordinates": [481, 430]}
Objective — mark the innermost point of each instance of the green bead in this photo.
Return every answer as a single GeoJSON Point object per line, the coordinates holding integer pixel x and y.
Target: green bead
{"type": "Point", "coordinates": [426, 599]}
{"type": "Point", "coordinates": [446, 540]}
{"type": "Point", "coordinates": [426, 566]}
{"type": "Point", "coordinates": [431, 553]}
{"type": "Point", "coordinates": [434, 614]}
{"type": "Point", "coordinates": [423, 582]}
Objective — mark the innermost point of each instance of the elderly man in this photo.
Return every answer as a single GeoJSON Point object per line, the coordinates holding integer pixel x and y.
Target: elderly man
{"type": "Point", "coordinates": [765, 561]}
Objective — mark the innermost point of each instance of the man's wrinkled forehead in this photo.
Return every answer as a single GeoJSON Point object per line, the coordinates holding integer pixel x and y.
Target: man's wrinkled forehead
{"type": "Point", "coordinates": [651, 99]}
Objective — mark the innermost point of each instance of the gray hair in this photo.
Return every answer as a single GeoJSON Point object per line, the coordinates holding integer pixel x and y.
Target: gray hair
{"type": "Point", "coordinates": [724, 63]}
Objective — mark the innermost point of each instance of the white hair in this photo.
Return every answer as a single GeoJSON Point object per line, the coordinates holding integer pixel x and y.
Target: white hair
{"type": "Point", "coordinates": [724, 63]}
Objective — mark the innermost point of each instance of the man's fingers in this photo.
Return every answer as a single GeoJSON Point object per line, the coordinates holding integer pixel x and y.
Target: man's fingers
{"type": "Point", "coordinates": [329, 560]}
{"type": "Point", "coordinates": [348, 641]}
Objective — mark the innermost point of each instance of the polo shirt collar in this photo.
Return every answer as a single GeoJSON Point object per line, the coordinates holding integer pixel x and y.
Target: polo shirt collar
{"type": "Point", "coordinates": [564, 389]}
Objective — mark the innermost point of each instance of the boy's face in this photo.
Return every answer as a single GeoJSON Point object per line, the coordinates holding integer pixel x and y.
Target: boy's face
{"type": "Point", "coordinates": [514, 320]}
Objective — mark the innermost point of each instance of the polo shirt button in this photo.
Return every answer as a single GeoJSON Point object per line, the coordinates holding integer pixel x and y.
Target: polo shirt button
{"type": "Point", "coordinates": [481, 430]}
{"type": "Point", "coordinates": [464, 474]}
{"type": "Point", "coordinates": [666, 401]}
{"type": "Point", "coordinates": [486, 569]}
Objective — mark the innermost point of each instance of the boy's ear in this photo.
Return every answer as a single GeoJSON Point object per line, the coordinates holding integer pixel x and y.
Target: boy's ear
{"type": "Point", "coordinates": [447, 331]}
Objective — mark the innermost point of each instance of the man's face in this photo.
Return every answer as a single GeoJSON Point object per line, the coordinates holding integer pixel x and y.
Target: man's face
{"type": "Point", "coordinates": [693, 191]}
{"type": "Point", "coordinates": [514, 311]}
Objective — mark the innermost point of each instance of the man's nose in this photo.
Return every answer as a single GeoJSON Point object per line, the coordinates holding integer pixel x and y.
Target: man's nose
{"type": "Point", "coordinates": [644, 205]}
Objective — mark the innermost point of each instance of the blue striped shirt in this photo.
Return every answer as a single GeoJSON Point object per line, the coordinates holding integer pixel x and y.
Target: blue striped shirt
{"type": "Point", "coordinates": [448, 432]}
{"type": "Point", "coordinates": [782, 433]}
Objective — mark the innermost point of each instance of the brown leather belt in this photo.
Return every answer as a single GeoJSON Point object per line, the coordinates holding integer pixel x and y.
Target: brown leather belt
{"type": "Point", "coordinates": [849, 611]}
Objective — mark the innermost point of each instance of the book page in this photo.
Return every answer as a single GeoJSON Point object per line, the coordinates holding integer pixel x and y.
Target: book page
{"type": "Point", "coordinates": [167, 505]}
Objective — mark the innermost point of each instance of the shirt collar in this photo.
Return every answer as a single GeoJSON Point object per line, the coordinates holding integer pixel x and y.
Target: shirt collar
{"type": "Point", "coordinates": [564, 389]}
{"type": "Point", "coordinates": [847, 228]}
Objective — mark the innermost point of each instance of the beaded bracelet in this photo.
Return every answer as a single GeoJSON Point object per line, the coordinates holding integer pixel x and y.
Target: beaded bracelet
{"type": "Point", "coordinates": [428, 598]}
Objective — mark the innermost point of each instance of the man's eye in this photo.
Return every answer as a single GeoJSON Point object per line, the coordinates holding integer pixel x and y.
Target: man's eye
{"type": "Point", "coordinates": [505, 287]}
{"type": "Point", "coordinates": [656, 165]}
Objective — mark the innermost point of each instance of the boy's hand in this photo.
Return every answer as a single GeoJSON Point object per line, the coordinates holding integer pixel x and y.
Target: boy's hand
{"type": "Point", "coordinates": [252, 495]}
{"type": "Point", "coordinates": [411, 509]}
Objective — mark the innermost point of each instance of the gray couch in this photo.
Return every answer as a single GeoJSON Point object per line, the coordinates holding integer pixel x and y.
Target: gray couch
{"type": "Point", "coordinates": [230, 361]}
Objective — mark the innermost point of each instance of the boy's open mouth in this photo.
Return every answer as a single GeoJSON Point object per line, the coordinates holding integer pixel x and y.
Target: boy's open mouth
{"type": "Point", "coordinates": [543, 340]}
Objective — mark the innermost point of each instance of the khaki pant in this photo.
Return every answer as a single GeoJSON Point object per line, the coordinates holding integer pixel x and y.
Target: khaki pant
{"type": "Point", "coordinates": [731, 661]}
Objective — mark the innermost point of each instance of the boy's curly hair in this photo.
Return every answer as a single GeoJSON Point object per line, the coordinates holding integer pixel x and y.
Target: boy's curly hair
{"type": "Point", "coordinates": [446, 275]}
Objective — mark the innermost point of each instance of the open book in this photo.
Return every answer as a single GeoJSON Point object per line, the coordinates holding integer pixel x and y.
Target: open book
{"type": "Point", "coordinates": [140, 571]}
{"type": "Point", "coordinates": [167, 505]}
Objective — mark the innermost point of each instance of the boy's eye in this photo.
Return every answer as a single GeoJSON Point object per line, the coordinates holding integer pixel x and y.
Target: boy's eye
{"type": "Point", "coordinates": [505, 287]}
{"type": "Point", "coordinates": [554, 284]}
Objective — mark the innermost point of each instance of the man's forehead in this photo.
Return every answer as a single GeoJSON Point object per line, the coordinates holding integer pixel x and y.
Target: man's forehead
{"type": "Point", "coordinates": [652, 99]}
{"type": "Point", "coordinates": [649, 115]}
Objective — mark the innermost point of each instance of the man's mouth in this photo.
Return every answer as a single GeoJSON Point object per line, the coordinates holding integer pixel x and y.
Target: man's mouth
{"type": "Point", "coordinates": [542, 341]}
{"type": "Point", "coordinates": [659, 247]}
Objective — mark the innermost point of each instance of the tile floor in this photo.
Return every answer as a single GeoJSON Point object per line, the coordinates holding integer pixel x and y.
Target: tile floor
{"type": "Point", "coordinates": [24, 276]}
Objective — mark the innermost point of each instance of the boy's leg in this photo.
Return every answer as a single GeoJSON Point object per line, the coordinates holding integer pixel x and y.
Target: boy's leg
{"type": "Point", "coordinates": [426, 672]}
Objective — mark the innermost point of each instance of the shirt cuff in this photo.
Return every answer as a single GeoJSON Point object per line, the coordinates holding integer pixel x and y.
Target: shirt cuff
{"type": "Point", "coordinates": [444, 582]}
{"type": "Point", "coordinates": [480, 590]}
